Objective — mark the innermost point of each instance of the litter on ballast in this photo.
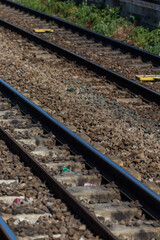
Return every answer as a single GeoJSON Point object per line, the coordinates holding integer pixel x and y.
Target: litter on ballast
{"type": "Point", "coordinates": [64, 169]}
{"type": "Point", "coordinates": [18, 200]}
{"type": "Point", "coordinates": [70, 89]}
{"type": "Point", "coordinates": [48, 30]}
{"type": "Point", "coordinates": [148, 77]}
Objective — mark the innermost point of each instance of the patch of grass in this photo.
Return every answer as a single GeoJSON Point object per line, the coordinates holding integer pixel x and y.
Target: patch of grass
{"type": "Point", "coordinates": [104, 21]}
{"type": "Point", "coordinates": [145, 39]}
{"type": "Point", "coordinates": [36, 4]}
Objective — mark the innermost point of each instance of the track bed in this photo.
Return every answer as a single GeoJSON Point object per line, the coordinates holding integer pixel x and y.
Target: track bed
{"type": "Point", "coordinates": [124, 127]}
{"type": "Point", "coordinates": [39, 214]}
{"type": "Point", "coordinates": [118, 123]}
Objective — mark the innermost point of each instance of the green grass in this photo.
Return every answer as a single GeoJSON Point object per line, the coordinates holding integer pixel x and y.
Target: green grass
{"type": "Point", "coordinates": [104, 21]}
{"type": "Point", "coordinates": [148, 40]}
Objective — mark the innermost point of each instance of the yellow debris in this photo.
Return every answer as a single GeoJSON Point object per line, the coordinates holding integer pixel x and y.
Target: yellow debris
{"type": "Point", "coordinates": [157, 78]}
{"type": "Point", "coordinates": [43, 30]}
{"type": "Point", "coordinates": [148, 77]}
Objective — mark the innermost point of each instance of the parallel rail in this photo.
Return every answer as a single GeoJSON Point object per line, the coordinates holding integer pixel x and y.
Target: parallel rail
{"type": "Point", "coordinates": [5, 232]}
{"type": "Point", "coordinates": [110, 170]}
{"type": "Point", "coordinates": [130, 186]}
{"type": "Point", "coordinates": [56, 187]}
{"type": "Point", "coordinates": [138, 89]}
{"type": "Point", "coordinates": [90, 34]}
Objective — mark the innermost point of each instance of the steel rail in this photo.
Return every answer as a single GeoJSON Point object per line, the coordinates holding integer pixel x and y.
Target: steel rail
{"type": "Point", "coordinates": [90, 34]}
{"type": "Point", "coordinates": [5, 232]}
{"type": "Point", "coordinates": [126, 182]}
{"type": "Point", "coordinates": [138, 89]}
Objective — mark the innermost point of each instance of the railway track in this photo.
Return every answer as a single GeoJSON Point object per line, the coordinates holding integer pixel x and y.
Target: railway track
{"type": "Point", "coordinates": [132, 216]}
{"type": "Point", "coordinates": [29, 207]}
{"type": "Point", "coordinates": [108, 199]}
{"type": "Point", "coordinates": [111, 54]}
{"type": "Point", "coordinates": [124, 126]}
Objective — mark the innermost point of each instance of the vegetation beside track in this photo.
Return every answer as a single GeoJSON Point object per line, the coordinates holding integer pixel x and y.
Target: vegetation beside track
{"type": "Point", "coordinates": [104, 21]}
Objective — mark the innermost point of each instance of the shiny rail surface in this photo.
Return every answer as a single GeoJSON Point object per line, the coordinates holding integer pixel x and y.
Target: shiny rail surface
{"type": "Point", "coordinates": [5, 232]}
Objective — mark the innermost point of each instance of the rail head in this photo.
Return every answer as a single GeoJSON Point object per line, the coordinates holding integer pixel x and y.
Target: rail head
{"type": "Point", "coordinates": [126, 182]}
{"type": "Point", "coordinates": [5, 232]}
